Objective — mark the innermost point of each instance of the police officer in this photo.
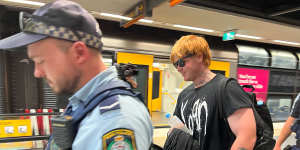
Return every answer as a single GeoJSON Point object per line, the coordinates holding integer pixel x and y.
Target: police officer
{"type": "Point", "coordinates": [291, 125]}
{"type": "Point", "coordinates": [64, 42]}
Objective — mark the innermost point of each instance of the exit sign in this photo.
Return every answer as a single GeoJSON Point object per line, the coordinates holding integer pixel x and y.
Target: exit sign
{"type": "Point", "coordinates": [228, 36]}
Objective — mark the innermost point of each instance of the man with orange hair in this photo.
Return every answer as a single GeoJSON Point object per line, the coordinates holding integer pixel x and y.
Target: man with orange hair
{"type": "Point", "coordinates": [210, 127]}
{"type": "Point", "coordinates": [64, 41]}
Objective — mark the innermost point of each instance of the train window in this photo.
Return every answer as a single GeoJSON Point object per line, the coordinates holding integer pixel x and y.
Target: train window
{"type": "Point", "coordinates": [298, 54]}
{"type": "Point", "coordinates": [254, 56]}
{"type": "Point", "coordinates": [3, 96]}
{"type": "Point", "coordinates": [283, 59]}
{"type": "Point", "coordinates": [279, 107]}
{"type": "Point", "coordinates": [282, 81]}
{"type": "Point", "coordinates": [298, 82]}
{"type": "Point", "coordinates": [155, 83]}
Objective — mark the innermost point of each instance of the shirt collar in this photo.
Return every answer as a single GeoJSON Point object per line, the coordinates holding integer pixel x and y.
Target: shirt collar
{"type": "Point", "coordinates": [82, 94]}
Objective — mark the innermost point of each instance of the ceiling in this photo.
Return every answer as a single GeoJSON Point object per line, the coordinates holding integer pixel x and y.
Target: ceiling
{"type": "Point", "coordinates": [268, 19]}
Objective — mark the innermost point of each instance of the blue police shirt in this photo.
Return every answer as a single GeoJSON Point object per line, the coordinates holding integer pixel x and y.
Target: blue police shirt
{"type": "Point", "coordinates": [132, 115]}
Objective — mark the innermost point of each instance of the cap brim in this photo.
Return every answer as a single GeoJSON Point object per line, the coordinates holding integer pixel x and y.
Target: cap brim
{"type": "Point", "coordinates": [20, 39]}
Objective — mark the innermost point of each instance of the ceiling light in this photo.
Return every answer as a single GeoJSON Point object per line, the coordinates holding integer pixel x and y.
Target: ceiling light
{"type": "Point", "coordinates": [115, 16]}
{"type": "Point", "coordinates": [248, 36]}
{"type": "Point", "coordinates": [192, 28]}
{"type": "Point", "coordinates": [146, 21]}
{"type": "Point", "coordinates": [286, 42]}
{"type": "Point", "coordinates": [26, 2]}
{"type": "Point", "coordinates": [155, 64]}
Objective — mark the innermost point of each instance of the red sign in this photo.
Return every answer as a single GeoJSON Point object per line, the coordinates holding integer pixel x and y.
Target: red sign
{"type": "Point", "coordinates": [259, 78]}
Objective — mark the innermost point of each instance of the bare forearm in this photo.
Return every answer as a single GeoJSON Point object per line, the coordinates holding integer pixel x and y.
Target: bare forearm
{"type": "Point", "coordinates": [244, 143]}
{"type": "Point", "coordinates": [285, 131]}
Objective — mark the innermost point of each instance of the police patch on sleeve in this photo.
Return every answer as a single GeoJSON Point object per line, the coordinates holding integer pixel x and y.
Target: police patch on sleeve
{"type": "Point", "coordinates": [119, 139]}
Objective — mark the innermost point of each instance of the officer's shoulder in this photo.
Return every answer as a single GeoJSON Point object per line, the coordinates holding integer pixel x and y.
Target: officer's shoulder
{"type": "Point", "coordinates": [109, 104]}
{"type": "Point", "coordinates": [113, 102]}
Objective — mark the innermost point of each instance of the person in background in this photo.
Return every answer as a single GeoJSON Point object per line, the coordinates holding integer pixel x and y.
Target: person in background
{"type": "Point", "coordinates": [197, 105]}
{"type": "Point", "coordinates": [64, 42]}
{"type": "Point", "coordinates": [128, 73]}
{"type": "Point", "coordinates": [286, 130]}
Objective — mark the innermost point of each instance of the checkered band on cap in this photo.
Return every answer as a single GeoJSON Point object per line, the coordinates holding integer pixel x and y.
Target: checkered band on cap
{"type": "Point", "coordinates": [63, 33]}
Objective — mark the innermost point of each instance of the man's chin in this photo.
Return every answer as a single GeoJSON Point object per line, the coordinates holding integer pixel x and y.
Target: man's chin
{"type": "Point", "coordinates": [186, 79]}
{"type": "Point", "coordinates": [57, 91]}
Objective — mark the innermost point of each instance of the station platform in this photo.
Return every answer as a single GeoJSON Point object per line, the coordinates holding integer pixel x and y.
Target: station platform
{"type": "Point", "coordinates": [161, 128]}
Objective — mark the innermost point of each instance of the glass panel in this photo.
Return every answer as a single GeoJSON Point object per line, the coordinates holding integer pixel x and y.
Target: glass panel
{"type": "Point", "coordinates": [155, 84]}
{"type": "Point", "coordinates": [298, 54]}
{"type": "Point", "coordinates": [254, 56]}
{"type": "Point", "coordinates": [282, 81]}
{"type": "Point", "coordinates": [279, 107]}
{"type": "Point", "coordinates": [283, 59]}
{"type": "Point", "coordinates": [298, 82]}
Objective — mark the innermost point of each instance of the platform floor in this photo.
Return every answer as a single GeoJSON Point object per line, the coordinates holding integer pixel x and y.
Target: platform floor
{"type": "Point", "coordinates": [159, 119]}
{"type": "Point", "coordinates": [161, 128]}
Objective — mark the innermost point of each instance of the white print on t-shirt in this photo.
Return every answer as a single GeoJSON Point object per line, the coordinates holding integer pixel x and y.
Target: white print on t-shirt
{"type": "Point", "coordinates": [195, 116]}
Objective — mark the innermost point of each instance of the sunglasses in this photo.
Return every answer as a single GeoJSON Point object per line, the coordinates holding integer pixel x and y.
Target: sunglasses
{"type": "Point", "coordinates": [180, 62]}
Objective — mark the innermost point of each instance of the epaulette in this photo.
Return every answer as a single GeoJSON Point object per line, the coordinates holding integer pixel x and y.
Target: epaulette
{"type": "Point", "coordinates": [111, 103]}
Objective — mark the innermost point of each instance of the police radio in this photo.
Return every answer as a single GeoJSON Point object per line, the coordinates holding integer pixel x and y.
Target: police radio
{"type": "Point", "coordinates": [63, 133]}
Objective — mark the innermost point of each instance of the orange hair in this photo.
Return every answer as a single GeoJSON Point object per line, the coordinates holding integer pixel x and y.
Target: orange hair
{"type": "Point", "coordinates": [191, 44]}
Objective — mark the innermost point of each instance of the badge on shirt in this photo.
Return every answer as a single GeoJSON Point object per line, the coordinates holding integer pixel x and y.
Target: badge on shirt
{"type": "Point", "coordinates": [119, 139]}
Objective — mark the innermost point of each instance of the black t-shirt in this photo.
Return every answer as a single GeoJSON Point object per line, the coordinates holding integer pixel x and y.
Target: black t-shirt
{"type": "Point", "coordinates": [198, 110]}
{"type": "Point", "coordinates": [296, 108]}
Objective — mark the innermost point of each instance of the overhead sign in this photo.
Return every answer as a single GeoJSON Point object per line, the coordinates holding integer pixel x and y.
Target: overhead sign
{"type": "Point", "coordinates": [228, 36]}
{"type": "Point", "coordinates": [175, 2]}
{"type": "Point", "coordinates": [137, 12]}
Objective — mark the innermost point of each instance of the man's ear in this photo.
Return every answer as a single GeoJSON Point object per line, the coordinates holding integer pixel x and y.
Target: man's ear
{"type": "Point", "coordinates": [200, 58]}
{"type": "Point", "coordinates": [80, 52]}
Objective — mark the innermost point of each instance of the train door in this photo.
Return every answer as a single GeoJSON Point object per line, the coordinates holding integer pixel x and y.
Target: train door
{"type": "Point", "coordinates": [142, 80]}
{"type": "Point", "coordinates": [220, 67]}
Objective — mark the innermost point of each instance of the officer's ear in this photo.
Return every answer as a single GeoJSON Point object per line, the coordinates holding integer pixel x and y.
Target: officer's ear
{"type": "Point", "coordinates": [80, 52]}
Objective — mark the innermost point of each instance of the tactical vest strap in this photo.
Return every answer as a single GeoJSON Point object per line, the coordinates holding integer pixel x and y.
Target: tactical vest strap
{"type": "Point", "coordinates": [100, 95]}
{"type": "Point", "coordinates": [116, 88]}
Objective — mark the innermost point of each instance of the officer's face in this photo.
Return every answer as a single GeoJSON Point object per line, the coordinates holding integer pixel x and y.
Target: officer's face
{"type": "Point", "coordinates": [54, 65]}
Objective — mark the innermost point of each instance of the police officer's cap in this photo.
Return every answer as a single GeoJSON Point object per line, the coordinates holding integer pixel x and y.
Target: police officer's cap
{"type": "Point", "coordinates": [60, 19]}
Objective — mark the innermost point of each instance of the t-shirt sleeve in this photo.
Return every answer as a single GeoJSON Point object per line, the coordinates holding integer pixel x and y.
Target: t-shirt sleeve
{"type": "Point", "coordinates": [234, 98]}
{"type": "Point", "coordinates": [296, 107]}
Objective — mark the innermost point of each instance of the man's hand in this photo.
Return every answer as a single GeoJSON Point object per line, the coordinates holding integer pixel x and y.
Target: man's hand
{"type": "Point", "coordinates": [175, 123]}
{"type": "Point", "coordinates": [178, 126]}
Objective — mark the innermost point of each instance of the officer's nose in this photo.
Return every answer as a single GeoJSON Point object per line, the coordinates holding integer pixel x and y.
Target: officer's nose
{"type": "Point", "coordinates": [38, 72]}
